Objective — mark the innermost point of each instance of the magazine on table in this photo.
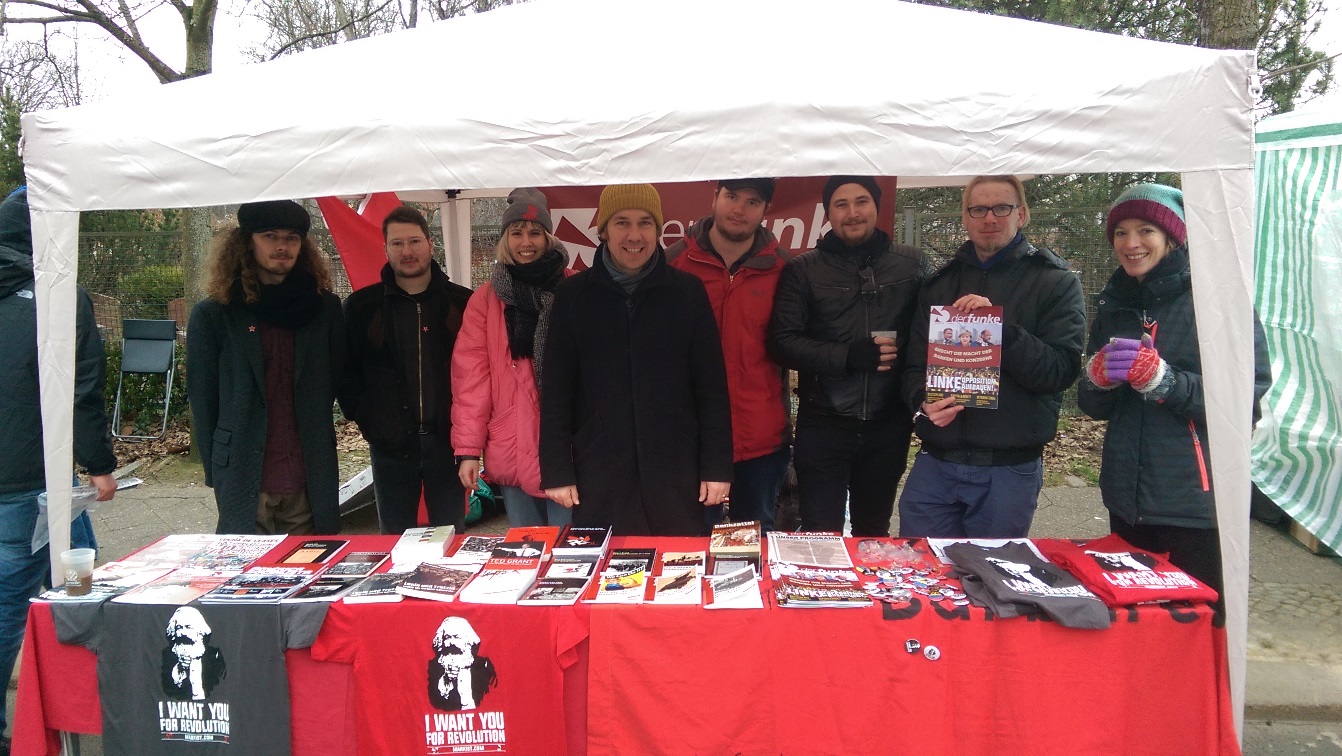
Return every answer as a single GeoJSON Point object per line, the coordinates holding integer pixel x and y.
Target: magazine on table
{"type": "Point", "coordinates": [815, 549]}
{"type": "Point", "coordinates": [181, 586]}
{"type": "Point", "coordinates": [964, 355]}
{"type": "Point", "coordinates": [109, 580]}
{"type": "Point", "coordinates": [796, 586]}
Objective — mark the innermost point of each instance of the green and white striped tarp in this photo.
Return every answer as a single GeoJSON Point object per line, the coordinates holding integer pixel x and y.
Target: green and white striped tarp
{"type": "Point", "coordinates": [1297, 448]}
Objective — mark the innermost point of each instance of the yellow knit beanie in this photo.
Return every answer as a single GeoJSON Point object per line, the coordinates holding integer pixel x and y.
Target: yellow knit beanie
{"type": "Point", "coordinates": [619, 197]}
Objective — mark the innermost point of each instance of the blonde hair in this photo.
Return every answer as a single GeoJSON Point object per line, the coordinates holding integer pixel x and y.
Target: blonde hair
{"type": "Point", "coordinates": [1012, 180]}
{"type": "Point", "coordinates": [232, 258]}
{"type": "Point", "coordinates": [505, 255]}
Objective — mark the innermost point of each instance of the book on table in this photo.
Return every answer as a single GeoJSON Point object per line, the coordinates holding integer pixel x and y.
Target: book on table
{"type": "Point", "coordinates": [676, 562]}
{"type": "Point", "coordinates": [380, 587]}
{"type": "Point", "coordinates": [233, 552]}
{"type": "Point", "coordinates": [544, 534]}
{"type": "Point", "coordinates": [580, 540]}
{"type": "Point", "coordinates": [314, 551]}
{"type": "Point", "coordinates": [624, 579]}
{"type": "Point", "coordinates": [422, 544]}
{"type": "Point", "coordinates": [324, 588]}
{"type": "Point", "coordinates": [571, 567]}
{"type": "Point", "coordinates": [736, 590]}
{"type": "Point", "coordinates": [732, 545]}
{"type": "Point", "coordinates": [506, 576]}
{"type": "Point", "coordinates": [437, 581]}
{"type": "Point", "coordinates": [263, 584]}
{"type": "Point", "coordinates": [476, 548]}
{"type": "Point", "coordinates": [678, 587]}
{"type": "Point", "coordinates": [357, 564]}
{"type": "Point", "coordinates": [340, 577]}
{"type": "Point", "coordinates": [555, 591]}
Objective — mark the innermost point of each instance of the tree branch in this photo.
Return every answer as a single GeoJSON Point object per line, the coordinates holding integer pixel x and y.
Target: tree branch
{"type": "Point", "coordinates": [328, 32]}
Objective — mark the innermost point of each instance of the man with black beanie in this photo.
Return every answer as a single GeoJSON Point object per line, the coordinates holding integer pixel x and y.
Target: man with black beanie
{"type": "Point", "coordinates": [834, 313]}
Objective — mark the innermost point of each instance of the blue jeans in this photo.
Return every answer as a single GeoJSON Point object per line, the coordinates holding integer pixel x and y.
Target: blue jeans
{"type": "Point", "coordinates": [23, 574]}
{"type": "Point", "coordinates": [525, 510]}
{"type": "Point", "coordinates": [755, 487]}
{"type": "Point", "coordinates": [949, 500]}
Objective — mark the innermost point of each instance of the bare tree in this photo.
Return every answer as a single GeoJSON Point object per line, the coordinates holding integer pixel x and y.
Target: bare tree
{"type": "Point", "coordinates": [296, 25]}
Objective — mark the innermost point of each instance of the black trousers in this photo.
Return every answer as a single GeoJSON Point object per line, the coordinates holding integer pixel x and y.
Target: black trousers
{"type": "Point", "coordinates": [398, 478]}
{"type": "Point", "coordinates": [859, 465]}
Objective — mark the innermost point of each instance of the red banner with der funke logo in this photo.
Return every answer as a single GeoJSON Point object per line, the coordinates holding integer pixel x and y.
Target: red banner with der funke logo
{"type": "Point", "coordinates": [795, 216]}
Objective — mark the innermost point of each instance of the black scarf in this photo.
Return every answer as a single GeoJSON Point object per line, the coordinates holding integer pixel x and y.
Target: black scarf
{"type": "Point", "coordinates": [527, 292]}
{"type": "Point", "coordinates": [876, 244]}
{"type": "Point", "coordinates": [291, 303]}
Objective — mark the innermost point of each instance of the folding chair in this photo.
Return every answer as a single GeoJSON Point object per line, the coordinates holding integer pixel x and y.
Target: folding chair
{"type": "Point", "coordinates": [147, 348]}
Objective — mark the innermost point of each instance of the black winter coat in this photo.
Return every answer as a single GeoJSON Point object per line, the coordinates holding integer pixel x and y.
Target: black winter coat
{"type": "Point", "coordinates": [382, 324]}
{"type": "Point", "coordinates": [1156, 466]}
{"type": "Point", "coordinates": [22, 461]}
{"type": "Point", "coordinates": [226, 384]}
{"type": "Point", "coordinates": [1044, 328]}
{"type": "Point", "coordinates": [634, 407]}
{"type": "Point", "coordinates": [827, 299]}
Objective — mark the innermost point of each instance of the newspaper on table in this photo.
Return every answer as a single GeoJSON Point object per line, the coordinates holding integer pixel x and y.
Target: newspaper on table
{"type": "Point", "coordinates": [814, 549]}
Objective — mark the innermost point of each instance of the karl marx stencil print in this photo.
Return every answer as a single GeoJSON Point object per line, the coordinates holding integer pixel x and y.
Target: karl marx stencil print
{"type": "Point", "coordinates": [191, 665]}
{"type": "Point", "coordinates": [1122, 561]}
{"type": "Point", "coordinates": [459, 677]}
{"type": "Point", "coordinates": [1020, 571]}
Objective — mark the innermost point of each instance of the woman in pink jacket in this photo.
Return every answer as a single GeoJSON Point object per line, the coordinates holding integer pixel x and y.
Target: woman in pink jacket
{"type": "Point", "coordinates": [496, 364]}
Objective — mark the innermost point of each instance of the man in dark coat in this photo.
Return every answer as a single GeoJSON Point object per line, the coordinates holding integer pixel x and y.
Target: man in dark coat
{"type": "Point", "coordinates": [841, 319]}
{"type": "Point", "coordinates": [264, 354]}
{"type": "Point", "coordinates": [23, 475]}
{"type": "Point", "coordinates": [634, 410]}
{"type": "Point", "coordinates": [401, 332]}
{"type": "Point", "coordinates": [980, 470]}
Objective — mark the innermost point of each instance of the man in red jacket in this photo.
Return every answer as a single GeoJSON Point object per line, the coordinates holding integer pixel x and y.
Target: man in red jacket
{"type": "Point", "coordinates": [739, 261]}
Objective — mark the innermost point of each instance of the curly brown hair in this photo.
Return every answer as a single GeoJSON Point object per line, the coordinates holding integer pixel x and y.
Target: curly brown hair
{"type": "Point", "coordinates": [231, 258]}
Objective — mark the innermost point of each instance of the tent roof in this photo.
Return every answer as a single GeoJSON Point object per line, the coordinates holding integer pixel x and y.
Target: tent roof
{"type": "Point", "coordinates": [804, 88]}
{"type": "Point", "coordinates": [1316, 125]}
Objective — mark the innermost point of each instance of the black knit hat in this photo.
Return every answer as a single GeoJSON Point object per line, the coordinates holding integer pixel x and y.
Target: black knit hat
{"type": "Point", "coordinates": [764, 187]}
{"type": "Point", "coordinates": [866, 182]}
{"type": "Point", "coordinates": [527, 205]}
{"type": "Point", "coordinates": [256, 217]}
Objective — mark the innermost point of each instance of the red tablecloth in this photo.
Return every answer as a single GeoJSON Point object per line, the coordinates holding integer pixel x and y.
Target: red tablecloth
{"type": "Point", "coordinates": [825, 681]}
{"type": "Point", "coordinates": [58, 686]}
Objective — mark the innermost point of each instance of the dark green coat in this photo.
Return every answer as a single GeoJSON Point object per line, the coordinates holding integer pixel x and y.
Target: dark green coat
{"type": "Point", "coordinates": [226, 384]}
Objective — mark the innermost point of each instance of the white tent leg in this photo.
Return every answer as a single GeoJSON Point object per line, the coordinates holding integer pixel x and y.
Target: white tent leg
{"type": "Point", "coordinates": [56, 264]}
{"type": "Point", "coordinates": [1220, 208]}
{"type": "Point", "coordinates": [455, 216]}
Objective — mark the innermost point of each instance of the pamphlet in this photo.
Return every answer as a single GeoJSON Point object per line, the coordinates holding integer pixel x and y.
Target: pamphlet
{"type": "Point", "coordinates": [964, 355]}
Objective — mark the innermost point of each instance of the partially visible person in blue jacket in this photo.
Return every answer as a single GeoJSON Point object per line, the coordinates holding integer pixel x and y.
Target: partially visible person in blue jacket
{"type": "Point", "coordinates": [1144, 376]}
{"type": "Point", "coordinates": [22, 465]}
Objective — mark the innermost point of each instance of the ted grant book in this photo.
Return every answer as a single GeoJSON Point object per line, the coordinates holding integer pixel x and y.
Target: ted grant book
{"type": "Point", "coordinates": [506, 576]}
{"type": "Point", "coordinates": [964, 355]}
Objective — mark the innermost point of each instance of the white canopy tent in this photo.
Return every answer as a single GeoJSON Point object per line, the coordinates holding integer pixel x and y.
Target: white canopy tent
{"type": "Point", "coordinates": [695, 90]}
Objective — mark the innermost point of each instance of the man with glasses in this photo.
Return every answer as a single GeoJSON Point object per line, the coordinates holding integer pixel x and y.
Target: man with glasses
{"type": "Point", "coordinates": [980, 470]}
{"type": "Point", "coordinates": [841, 319]}
{"type": "Point", "coordinates": [401, 332]}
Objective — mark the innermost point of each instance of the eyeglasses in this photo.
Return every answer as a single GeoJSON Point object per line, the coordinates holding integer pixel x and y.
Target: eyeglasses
{"type": "Point", "coordinates": [415, 244]}
{"type": "Point", "coordinates": [981, 211]}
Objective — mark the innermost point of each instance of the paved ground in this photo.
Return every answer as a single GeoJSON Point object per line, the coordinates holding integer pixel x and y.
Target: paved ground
{"type": "Point", "coordinates": [1294, 695]}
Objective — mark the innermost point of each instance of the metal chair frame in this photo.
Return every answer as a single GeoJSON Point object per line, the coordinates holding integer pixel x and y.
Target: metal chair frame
{"type": "Point", "coordinates": [148, 347]}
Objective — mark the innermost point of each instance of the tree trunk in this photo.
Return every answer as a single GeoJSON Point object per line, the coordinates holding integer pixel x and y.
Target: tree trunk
{"type": "Point", "coordinates": [1228, 24]}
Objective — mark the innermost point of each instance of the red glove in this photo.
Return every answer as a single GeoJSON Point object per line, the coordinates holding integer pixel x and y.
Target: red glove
{"type": "Point", "coordinates": [1110, 366]}
{"type": "Point", "coordinates": [1147, 367]}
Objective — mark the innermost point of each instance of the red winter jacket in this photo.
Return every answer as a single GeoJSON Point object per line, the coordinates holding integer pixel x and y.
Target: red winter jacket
{"type": "Point", "coordinates": [495, 404]}
{"type": "Point", "coordinates": [742, 303]}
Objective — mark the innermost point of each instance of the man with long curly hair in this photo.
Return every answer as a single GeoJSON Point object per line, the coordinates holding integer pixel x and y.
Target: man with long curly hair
{"type": "Point", "coordinates": [264, 354]}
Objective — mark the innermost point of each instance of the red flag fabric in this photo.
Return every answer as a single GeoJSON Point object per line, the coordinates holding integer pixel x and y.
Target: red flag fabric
{"type": "Point", "coordinates": [358, 235]}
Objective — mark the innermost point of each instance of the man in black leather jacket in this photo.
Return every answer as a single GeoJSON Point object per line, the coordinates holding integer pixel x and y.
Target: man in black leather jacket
{"type": "Point", "coordinates": [841, 319]}
{"type": "Point", "coordinates": [980, 470]}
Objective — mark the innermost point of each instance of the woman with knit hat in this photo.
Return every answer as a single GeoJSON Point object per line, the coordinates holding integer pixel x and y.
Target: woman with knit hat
{"type": "Point", "coordinates": [1144, 376]}
{"type": "Point", "coordinates": [636, 427]}
{"type": "Point", "coordinates": [497, 363]}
